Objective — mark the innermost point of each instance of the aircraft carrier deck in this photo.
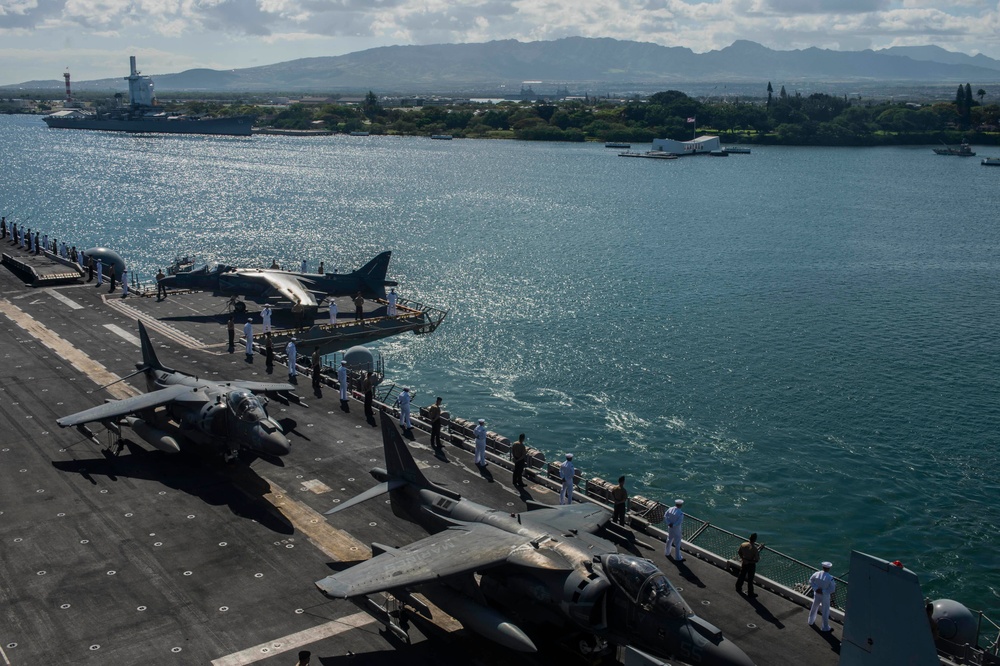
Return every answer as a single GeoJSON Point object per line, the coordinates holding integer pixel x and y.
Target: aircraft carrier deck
{"type": "Point", "coordinates": [148, 558]}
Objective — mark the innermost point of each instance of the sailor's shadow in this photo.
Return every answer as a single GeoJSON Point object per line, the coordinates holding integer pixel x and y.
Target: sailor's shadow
{"type": "Point", "coordinates": [485, 472]}
{"type": "Point", "coordinates": [830, 638]}
{"type": "Point", "coordinates": [216, 483]}
{"type": "Point", "coordinates": [685, 572]}
{"type": "Point", "coordinates": [289, 425]}
{"type": "Point", "coordinates": [765, 613]}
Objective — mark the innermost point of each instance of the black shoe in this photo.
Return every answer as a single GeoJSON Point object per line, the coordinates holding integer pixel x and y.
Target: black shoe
{"type": "Point", "coordinates": [752, 595]}
{"type": "Point", "coordinates": [739, 590]}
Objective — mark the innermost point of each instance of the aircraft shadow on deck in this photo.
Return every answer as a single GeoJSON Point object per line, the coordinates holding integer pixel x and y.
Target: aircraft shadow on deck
{"type": "Point", "coordinates": [239, 487]}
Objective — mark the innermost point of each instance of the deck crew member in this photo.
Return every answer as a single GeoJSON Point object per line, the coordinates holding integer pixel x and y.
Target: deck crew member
{"type": "Point", "coordinates": [620, 497]}
{"type": "Point", "coordinates": [333, 312]}
{"type": "Point", "coordinates": [268, 351]}
{"type": "Point", "coordinates": [124, 282]}
{"type": "Point", "coordinates": [315, 364]}
{"type": "Point", "coordinates": [359, 307]}
{"type": "Point", "coordinates": [265, 315]}
{"type": "Point", "coordinates": [519, 456]}
{"type": "Point", "coordinates": [248, 334]}
{"type": "Point", "coordinates": [45, 241]}
{"type": "Point", "coordinates": [566, 473]}
{"type": "Point", "coordinates": [114, 277]}
{"type": "Point", "coordinates": [674, 519]}
{"type": "Point", "coordinates": [749, 554]}
{"type": "Point", "coordinates": [320, 271]}
{"type": "Point", "coordinates": [274, 265]}
{"type": "Point", "coordinates": [480, 433]}
{"type": "Point", "coordinates": [305, 265]}
{"type": "Point", "coordinates": [35, 247]}
{"type": "Point", "coordinates": [404, 409]}
{"type": "Point", "coordinates": [369, 388]}
{"type": "Point", "coordinates": [161, 289]}
{"type": "Point", "coordinates": [434, 414]}
{"type": "Point", "coordinates": [100, 273]}
{"type": "Point", "coordinates": [3, 227]}
{"type": "Point", "coordinates": [342, 380]}
{"type": "Point", "coordinates": [90, 269]}
{"type": "Point", "coordinates": [391, 309]}
{"type": "Point", "coordinates": [291, 353]}
{"type": "Point", "coordinates": [823, 586]}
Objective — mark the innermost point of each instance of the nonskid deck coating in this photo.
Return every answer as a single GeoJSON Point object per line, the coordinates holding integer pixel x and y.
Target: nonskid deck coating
{"type": "Point", "coordinates": [147, 559]}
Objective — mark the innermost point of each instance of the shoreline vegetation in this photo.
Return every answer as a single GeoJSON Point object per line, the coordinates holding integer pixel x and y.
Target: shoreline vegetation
{"type": "Point", "coordinates": [791, 120]}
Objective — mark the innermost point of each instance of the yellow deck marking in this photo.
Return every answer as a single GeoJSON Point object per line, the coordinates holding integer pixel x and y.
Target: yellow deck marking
{"type": "Point", "coordinates": [64, 348]}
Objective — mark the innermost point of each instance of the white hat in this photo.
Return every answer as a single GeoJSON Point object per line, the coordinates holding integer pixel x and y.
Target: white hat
{"type": "Point", "coordinates": [294, 339]}
{"type": "Point", "coordinates": [678, 502]}
{"type": "Point", "coordinates": [482, 420]}
{"type": "Point", "coordinates": [343, 362]}
{"type": "Point", "coordinates": [569, 456]}
{"type": "Point", "coordinates": [827, 565]}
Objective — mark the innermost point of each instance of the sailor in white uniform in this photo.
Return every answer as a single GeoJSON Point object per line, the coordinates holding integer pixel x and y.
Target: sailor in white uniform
{"type": "Point", "coordinates": [674, 519]}
{"type": "Point", "coordinates": [100, 273]}
{"type": "Point", "coordinates": [333, 312]}
{"type": "Point", "coordinates": [823, 586]}
{"type": "Point", "coordinates": [265, 315]}
{"type": "Point", "coordinates": [124, 282]}
{"type": "Point", "coordinates": [391, 309]}
{"type": "Point", "coordinates": [566, 473]}
{"type": "Point", "coordinates": [305, 265]}
{"type": "Point", "coordinates": [290, 351]}
{"type": "Point", "coordinates": [480, 432]}
{"type": "Point", "coordinates": [248, 334]}
{"type": "Point", "coordinates": [404, 409]}
{"type": "Point", "coordinates": [342, 380]}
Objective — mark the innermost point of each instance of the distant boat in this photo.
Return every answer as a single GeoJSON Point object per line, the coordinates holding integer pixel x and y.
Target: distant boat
{"type": "Point", "coordinates": [737, 150]}
{"type": "Point", "coordinates": [616, 144]}
{"type": "Point", "coordinates": [991, 161]}
{"type": "Point", "coordinates": [651, 154]}
{"type": "Point", "coordinates": [359, 133]}
{"type": "Point", "coordinates": [442, 137]}
{"type": "Point", "coordinates": [719, 153]}
{"type": "Point", "coordinates": [963, 150]}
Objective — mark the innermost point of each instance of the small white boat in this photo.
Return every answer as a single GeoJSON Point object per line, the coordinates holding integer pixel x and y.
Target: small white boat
{"type": "Point", "coordinates": [991, 161]}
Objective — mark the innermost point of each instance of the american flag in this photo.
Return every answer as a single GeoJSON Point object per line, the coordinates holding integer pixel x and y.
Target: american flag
{"type": "Point", "coordinates": [690, 120]}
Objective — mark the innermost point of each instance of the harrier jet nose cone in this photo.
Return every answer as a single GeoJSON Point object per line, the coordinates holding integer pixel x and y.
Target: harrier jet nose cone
{"type": "Point", "coordinates": [271, 443]}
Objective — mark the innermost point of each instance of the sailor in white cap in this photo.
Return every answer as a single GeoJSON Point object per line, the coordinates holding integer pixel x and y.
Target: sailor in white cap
{"type": "Point", "coordinates": [823, 586]}
{"type": "Point", "coordinates": [291, 352]}
{"type": "Point", "coordinates": [566, 473]}
{"type": "Point", "coordinates": [674, 519]}
{"type": "Point", "coordinates": [248, 334]}
{"type": "Point", "coordinates": [391, 308]}
{"type": "Point", "coordinates": [333, 312]}
{"type": "Point", "coordinates": [404, 409]}
{"type": "Point", "coordinates": [480, 432]}
{"type": "Point", "coordinates": [265, 316]}
{"type": "Point", "coordinates": [342, 380]}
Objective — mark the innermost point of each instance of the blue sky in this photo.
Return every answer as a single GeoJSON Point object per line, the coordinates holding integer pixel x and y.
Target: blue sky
{"type": "Point", "coordinates": [40, 39]}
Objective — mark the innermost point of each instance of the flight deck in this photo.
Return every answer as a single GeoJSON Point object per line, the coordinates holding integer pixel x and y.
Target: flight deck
{"type": "Point", "coordinates": [143, 557]}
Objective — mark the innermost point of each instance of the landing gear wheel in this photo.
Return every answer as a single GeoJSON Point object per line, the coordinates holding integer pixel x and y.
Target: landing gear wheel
{"type": "Point", "coordinates": [239, 307]}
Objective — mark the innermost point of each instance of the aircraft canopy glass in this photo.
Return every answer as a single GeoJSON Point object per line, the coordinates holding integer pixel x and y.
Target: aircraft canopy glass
{"type": "Point", "coordinates": [646, 585]}
{"type": "Point", "coordinates": [245, 405]}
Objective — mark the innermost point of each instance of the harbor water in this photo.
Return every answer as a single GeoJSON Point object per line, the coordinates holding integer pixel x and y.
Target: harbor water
{"type": "Point", "coordinates": [800, 342]}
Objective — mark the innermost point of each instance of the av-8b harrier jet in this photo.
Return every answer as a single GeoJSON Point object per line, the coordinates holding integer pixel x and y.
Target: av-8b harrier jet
{"type": "Point", "coordinates": [549, 567]}
{"type": "Point", "coordinates": [224, 416]}
{"type": "Point", "coordinates": [300, 290]}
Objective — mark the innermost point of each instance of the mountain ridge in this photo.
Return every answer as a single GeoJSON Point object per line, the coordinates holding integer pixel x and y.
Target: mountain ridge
{"type": "Point", "coordinates": [577, 62]}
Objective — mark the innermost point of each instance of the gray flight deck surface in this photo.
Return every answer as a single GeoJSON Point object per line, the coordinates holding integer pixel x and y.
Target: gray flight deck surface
{"type": "Point", "coordinates": [154, 559]}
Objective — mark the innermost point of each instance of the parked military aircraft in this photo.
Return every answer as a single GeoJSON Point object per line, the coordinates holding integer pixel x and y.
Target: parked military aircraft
{"type": "Point", "coordinates": [265, 285]}
{"type": "Point", "coordinates": [225, 416]}
{"type": "Point", "coordinates": [549, 567]}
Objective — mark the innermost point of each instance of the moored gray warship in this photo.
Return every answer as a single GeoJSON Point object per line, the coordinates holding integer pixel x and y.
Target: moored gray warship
{"type": "Point", "coordinates": [142, 116]}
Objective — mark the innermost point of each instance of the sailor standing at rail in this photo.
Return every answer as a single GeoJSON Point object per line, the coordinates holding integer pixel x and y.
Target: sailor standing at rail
{"type": "Point", "coordinates": [674, 519]}
{"type": "Point", "coordinates": [391, 309]}
{"type": "Point", "coordinates": [823, 586]}
{"type": "Point", "coordinates": [342, 380]}
{"type": "Point", "coordinates": [248, 334]}
{"type": "Point", "coordinates": [291, 353]}
{"type": "Point", "coordinates": [100, 273]}
{"type": "Point", "coordinates": [333, 312]}
{"type": "Point", "coordinates": [265, 315]}
{"type": "Point", "coordinates": [566, 473]}
{"type": "Point", "coordinates": [480, 432]}
{"type": "Point", "coordinates": [404, 409]}
{"type": "Point", "coordinates": [124, 282]}
{"type": "Point", "coordinates": [305, 265]}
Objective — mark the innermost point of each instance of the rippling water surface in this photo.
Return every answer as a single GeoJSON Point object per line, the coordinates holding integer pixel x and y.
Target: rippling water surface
{"type": "Point", "coordinates": [801, 342]}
